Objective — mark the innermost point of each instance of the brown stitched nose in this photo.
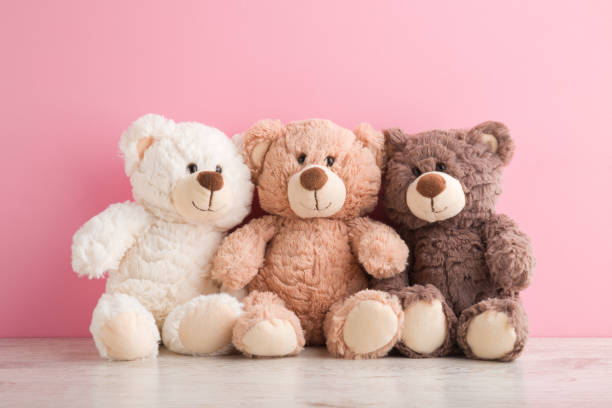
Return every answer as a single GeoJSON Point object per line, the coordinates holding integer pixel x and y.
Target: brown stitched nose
{"type": "Point", "coordinates": [211, 180]}
{"type": "Point", "coordinates": [313, 179]}
{"type": "Point", "coordinates": [430, 185]}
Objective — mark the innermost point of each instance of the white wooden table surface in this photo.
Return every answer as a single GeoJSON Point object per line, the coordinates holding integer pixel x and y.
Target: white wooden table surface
{"type": "Point", "coordinates": [68, 372]}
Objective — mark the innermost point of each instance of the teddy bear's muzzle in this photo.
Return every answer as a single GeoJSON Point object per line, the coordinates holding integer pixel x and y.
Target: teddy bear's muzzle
{"type": "Point", "coordinates": [435, 196]}
{"type": "Point", "coordinates": [202, 196]}
{"type": "Point", "coordinates": [316, 192]}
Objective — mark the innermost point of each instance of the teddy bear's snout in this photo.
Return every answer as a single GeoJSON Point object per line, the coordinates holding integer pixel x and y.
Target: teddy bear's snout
{"type": "Point", "coordinates": [435, 196]}
{"type": "Point", "coordinates": [211, 180]}
{"type": "Point", "coordinates": [313, 179]}
{"type": "Point", "coordinates": [316, 191]}
{"type": "Point", "coordinates": [430, 185]}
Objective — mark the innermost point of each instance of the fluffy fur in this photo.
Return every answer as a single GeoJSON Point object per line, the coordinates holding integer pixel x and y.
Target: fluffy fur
{"type": "Point", "coordinates": [477, 259]}
{"type": "Point", "coordinates": [310, 263]}
{"type": "Point", "coordinates": [156, 255]}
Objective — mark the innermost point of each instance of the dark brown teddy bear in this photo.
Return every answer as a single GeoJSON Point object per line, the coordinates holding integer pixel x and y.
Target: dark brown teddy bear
{"type": "Point", "coordinates": [467, 263]}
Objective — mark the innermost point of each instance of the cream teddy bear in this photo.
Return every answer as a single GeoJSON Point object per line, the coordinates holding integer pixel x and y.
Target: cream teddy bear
{"type": "Point", "coordinates": [190, 186]}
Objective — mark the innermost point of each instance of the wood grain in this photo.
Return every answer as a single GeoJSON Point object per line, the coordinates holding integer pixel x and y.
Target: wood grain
{"type": "Point", "coordinates": [68, 372]}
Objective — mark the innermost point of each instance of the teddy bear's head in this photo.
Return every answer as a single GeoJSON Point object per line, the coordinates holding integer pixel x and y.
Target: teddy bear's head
{"type": "Point", "coordinates": [445, 174]}
{"type": "Point", "coordinates": [314, 168]}
{"type": "Point", "coordinates": [187, 172]}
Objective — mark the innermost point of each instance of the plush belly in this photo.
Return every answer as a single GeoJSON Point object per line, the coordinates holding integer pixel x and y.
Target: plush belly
{"type": "Point", "coordinates": [166, 267]}
{"type": "Point", "coordinates": [310, 266]}
{"type": "Point", "coordinates": [454, 262]}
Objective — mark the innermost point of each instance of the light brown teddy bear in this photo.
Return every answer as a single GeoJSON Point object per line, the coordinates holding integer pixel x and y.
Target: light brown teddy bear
{"type": "Point", "coordinates": [304, 264]}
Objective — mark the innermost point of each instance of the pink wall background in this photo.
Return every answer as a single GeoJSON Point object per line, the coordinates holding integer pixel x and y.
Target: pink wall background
{"type": "Point", "coordinates": [74, 74]}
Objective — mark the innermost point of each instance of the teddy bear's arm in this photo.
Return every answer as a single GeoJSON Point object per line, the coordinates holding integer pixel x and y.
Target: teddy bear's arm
{"type": "Point", "coordinates": [100, 244]}
{"type": "Point", "coordinates": [509, 255]}
{"type": "Point", "coordinates": [380, 249]}
{"type": "Point", "coordinates": [242, 253]}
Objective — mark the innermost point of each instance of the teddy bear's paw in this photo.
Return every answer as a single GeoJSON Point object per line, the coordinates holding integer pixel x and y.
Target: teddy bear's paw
{"type": "Point", "coordinates": [270, 338]}
{"type": "Point", "coordinates": [128, 337]}
{"type": "Point", "coordinates": [123, 329]}
{"type": "Point", "coordinates": [429, 325]}
{"type": "Point", "coordinates": [493, 329]}
{"type": "Point", "coordinates": [366, 325]}
{"type": "Point", "coordinates": [381, 251]}
{"type": "Point", "coordinates": [425, 326]}
{"type": "Point", "coordinates": [491, 335]}
{"type": "Point", "coordinates": [202, 326]}
{"type": "Point", "coordinates": [369, 326]}
{"type": "Point", "coordinates": [267, 328]}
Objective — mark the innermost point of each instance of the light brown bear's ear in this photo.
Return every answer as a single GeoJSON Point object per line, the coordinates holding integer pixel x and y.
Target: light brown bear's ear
{"type": "Point", "coordinates": [497, 138]}
{"type": "Point", "coordinates": [140, 136]}
{"type": "Point", "coordinates": [373, 140]}
{"type": "Point", "coordinates": [257, 141]}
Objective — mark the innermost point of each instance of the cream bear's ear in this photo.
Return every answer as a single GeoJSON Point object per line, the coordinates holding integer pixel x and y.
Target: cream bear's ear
{"type": "Point", "coordinates": [140, 136]}
{"type": "Point", "coordinates": [496, 137]}
{"type": "Point", "coordinates": [257, 141]}
{"type": "Point", "coordinates": [373, 140]}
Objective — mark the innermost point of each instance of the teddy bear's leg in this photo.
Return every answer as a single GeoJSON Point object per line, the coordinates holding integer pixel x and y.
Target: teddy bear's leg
{"type": "Point", "coordinates": [202, 326]}
{"type": "Point", "coordinates": [494, 329]}
{"type": "Point", "coordinates": [365, 325]}
{"type": "Point", "coordinates": [267, 328]}
{"type": "Point", "coordinates": [123, 329]}
{"type": "Point", "coordinates": [429, 323]}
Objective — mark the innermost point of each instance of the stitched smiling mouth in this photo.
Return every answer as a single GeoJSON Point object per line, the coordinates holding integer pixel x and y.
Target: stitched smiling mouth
{"type": "Point", "coordinates": [316, 209]}
{"type": "Point", "coordinates": [203, 210]}
{"type": "Point", "coordinates": [433, 208]}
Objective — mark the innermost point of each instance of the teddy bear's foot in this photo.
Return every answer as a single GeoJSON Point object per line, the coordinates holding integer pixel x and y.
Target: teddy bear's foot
{"type": "Point", "coordinates": [494, 329]}
{"type": "Point", "coordinates": [429, 323]}
{"type": "Point", "coordinates": [267, 328]}
{"type": "Point", "coordinates": [366, 325]}
{"type": "Point", "coordinates": [123, 329]}
{"type": "Point", "coordinates": [202, 326]}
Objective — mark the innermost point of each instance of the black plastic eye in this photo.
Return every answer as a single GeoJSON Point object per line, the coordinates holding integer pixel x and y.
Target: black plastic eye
{"type": "Point", "coordinates": [440, 167]}
{"type": "Point", "coordinates": [330, 161]}
{"type": "Point", "coordinates": [301, 158]}
{"type": "Point", "coordinates": [219, 169]}
{"type": "Point", "coordinates": [416, 171]}
{"type": "Point", "coordinates": [192, 168]}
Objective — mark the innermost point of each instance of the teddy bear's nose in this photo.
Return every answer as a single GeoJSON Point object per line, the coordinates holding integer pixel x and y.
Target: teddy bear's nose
{"type": "Point", "coordinates": [430, 185]}
{"type": "Point", "coordinates": [313, 179]}
{"type": "Point", "coordinates": [210, 180]}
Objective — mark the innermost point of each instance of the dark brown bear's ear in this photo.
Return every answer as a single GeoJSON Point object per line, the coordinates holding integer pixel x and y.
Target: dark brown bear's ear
{"type": "Point", "coordinates": [257, 141]}
{"type": "Point", "coordinates": [395, 140]}
{"type": "Point", "coordinates": [497, 138]}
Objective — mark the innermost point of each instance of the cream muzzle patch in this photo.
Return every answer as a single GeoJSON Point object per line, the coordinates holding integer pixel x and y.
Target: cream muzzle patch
{"type": "Point", "coordinates": [316, 191]}
{"type": "Point", "coordinates": [194, 201]}
{"type": "Point", "coordinates": [435, 196]}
